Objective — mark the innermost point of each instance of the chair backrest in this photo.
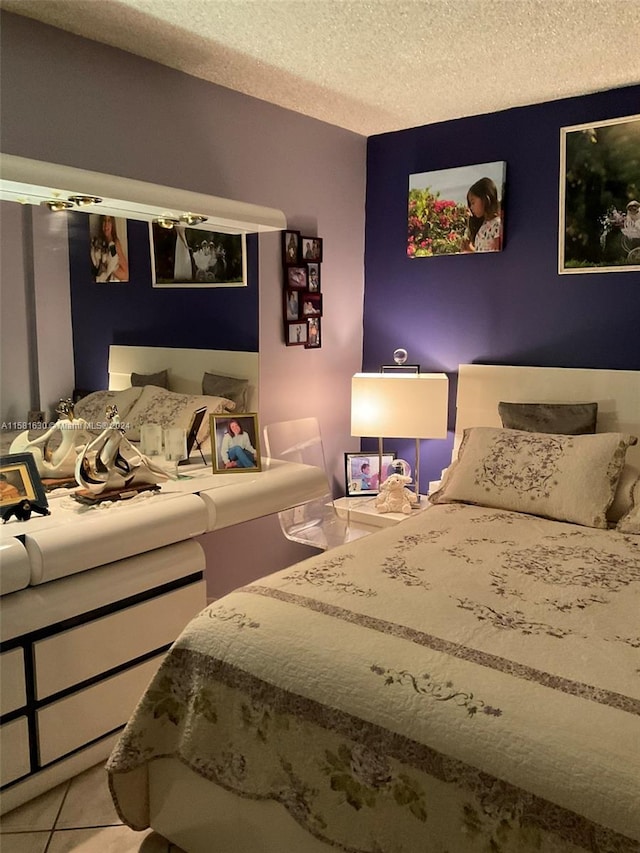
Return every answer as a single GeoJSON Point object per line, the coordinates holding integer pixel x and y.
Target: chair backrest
{"type": "Point", "coordinates": [296, 441]}
{"type": "Point", "coordinates": [314, 522]}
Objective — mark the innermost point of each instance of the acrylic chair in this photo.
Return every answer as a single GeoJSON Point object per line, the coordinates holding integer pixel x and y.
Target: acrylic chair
{"type": "Point", "coordinates": [316, 521]}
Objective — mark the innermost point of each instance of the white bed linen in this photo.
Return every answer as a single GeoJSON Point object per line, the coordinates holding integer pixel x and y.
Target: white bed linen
{"type": "Point", "coordinates": [467, 681]}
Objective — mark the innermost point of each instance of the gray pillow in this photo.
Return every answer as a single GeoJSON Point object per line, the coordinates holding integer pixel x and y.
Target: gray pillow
{"type": "Point", "coordinates": [558, 418]}
{"type": "Point", "coordinates": [161, 379]}
{"type": "Point", "coordinates": [234, 389]}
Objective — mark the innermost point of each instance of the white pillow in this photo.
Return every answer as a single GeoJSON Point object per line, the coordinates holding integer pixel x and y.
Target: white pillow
{"type": "Point", "coordinates": [630, 522]}
{"type": "Point", "coordinates": [623, 500]}
{"type": "Point", "coordinates": [564, 477]}
{"type": "Point", "coordinates": [93, 407]}
{"type": "Point", "coordinates": [169, 408]}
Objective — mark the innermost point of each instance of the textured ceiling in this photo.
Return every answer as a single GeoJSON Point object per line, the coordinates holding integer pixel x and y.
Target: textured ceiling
{"type": "Point", "coordinates": [373, 66]}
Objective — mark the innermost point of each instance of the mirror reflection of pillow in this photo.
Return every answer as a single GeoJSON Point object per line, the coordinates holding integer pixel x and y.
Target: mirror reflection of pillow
{"type": "Point", "coordinates": [234, 389]}
{"type": "Point", "coordinates": [93, 407]}
{"type": "Point", "coordinates": [161, 379]}
{"type": "Point", "coordinates": [169, 408]}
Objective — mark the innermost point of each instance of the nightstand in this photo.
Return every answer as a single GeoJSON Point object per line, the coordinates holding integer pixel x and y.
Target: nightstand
{"type": "Point", "coordinates": [362, 511]}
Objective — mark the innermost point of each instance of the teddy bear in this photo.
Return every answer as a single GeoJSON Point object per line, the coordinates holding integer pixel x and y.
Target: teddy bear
{"type": "Point", "coordinates": [393, 497]}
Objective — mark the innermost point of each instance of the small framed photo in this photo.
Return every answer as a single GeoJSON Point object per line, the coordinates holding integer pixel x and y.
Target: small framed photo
{"type": "Point", "coordinates": [20, 481]}
{"type": "Point", "coordinates": [362, 472]}
{"type": "Point", "coordinates": [311, 304]}
{"type": "Point", "coordinates": [290, 247]}
{"type": "Point", "coordinates": [313, 277]}
{"type": "Point", "coordinates": [296, 277]}
{"type": "Point", "coordinates": [296, 334]}
{"type": "Point", "coordinates": [311, 248]}
{"type": "Point", "coordinates": [313, 333]}
{"type": "Point", "coordinates": [292, 303]}
{"type": "Point", "coordinates": [235, 443]}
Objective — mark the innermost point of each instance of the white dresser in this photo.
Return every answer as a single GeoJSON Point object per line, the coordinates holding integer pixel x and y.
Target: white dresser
{"type": "Point", "coordinates": [91, 600]}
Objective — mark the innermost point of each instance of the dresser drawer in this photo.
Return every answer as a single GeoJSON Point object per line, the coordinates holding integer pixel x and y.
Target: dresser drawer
{"type": "Point", "coordinates": [70, 723]}
{"type": "Point", "coordinates": [14, 750]}
{"type": "Point", "coordinates": [81, 653]}
{"type": "Point", "coordinates": [12, 684]}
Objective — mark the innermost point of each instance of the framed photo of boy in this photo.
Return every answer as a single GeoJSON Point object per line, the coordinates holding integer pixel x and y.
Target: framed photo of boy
{"type": "Point", "coordinates": [296, 277]}
{"type": "Point", "coordinates": [296, 333]}
{"type": "Point", "coordinates": [194, 257]}
{"type": "Point", "coordinates": [313, 276]}
{"type": "Point", "coordinates": [311, 248]}
{"type": "Point", "coordinates": [20, 481]}
{"type": "Point", "coordinates": [290, 247]}
{"type": "Point", "coordinates": [235, 443]}
{"type": "Point", "coordinates": [599, 198]}
{"type": "Point", "coordinates": [362, 472]}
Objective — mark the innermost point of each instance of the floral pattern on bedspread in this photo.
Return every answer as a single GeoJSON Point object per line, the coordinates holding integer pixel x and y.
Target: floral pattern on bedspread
{"type": "Point", "coordinates": [428, 690]}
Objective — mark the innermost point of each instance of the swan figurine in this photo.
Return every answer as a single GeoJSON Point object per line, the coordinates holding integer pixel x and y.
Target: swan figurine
{"type": "Point", "coordinates": [56, 462]}
{"type": "Point", "coordinates": [101, 466]}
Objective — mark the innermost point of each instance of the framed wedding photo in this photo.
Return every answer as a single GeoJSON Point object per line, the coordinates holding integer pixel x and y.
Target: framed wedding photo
{"type": "Point", "coordinates": [290, 247]}
{"type": "Point", "coordinates": [296, 333]}
{"type": "Point", "coordinates": [362, 472]}
{"type": "Point", "coordinates": [235, 443]}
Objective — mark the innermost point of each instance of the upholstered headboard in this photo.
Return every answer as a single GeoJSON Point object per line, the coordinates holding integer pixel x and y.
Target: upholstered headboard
{"type": "Point", "coordinates": [186, 367]}
{"type": "Point", "coordinates": [482, 386]}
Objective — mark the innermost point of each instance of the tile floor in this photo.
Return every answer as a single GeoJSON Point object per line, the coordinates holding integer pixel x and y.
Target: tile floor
{"type": "Point", "coordinates": [76, 816]}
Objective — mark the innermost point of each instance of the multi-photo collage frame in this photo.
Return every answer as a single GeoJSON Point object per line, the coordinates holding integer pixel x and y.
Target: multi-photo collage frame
{"type": "Point", "coordinates": [302, 289]}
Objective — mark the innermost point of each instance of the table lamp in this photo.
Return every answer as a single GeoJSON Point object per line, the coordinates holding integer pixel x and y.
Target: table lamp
{"type": "Point", "coordinates": [400, 405]}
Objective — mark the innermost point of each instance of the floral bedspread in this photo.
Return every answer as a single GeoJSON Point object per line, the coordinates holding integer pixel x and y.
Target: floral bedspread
{"type": "Point", "coordinates": [466, 681]}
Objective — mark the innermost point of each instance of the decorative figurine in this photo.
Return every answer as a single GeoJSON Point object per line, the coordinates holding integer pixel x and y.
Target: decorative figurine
{"type": "Point", "coordinates": [23, 510]}
{"type": "Point", "coordinates": [56, 462]}
{"type": "Point", "coordinates": [102, 468]}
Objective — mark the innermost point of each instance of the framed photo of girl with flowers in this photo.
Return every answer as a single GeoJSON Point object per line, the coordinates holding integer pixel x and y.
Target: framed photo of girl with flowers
{"type": "Point", "coordinates": [456, 211]}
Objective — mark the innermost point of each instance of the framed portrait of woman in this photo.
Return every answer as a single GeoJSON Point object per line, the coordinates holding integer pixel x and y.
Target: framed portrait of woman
{"type": "Point", "coordinates": [235, 443]}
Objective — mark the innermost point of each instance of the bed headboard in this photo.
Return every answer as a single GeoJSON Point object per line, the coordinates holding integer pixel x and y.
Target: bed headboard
{"type": "Point", "coordinates": [186, 367]}
{"type": "Point", "coordinates": [482, 386]}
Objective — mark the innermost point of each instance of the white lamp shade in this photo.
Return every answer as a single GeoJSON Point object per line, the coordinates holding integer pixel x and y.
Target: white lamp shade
{"type": "Point", "coordinates": [399, 405]}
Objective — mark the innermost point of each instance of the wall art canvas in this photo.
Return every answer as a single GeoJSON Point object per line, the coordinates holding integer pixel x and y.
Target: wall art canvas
{"type": "Point", "coordinates": [195, 257]}
{"type": "Point", "coordinates": [108, 250]}
{"type": "Point", "coordinates": [456, 211]}
{"type": "Point", "coordinates": [600, 197]}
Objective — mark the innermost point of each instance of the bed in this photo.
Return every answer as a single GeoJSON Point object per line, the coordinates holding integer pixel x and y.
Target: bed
{"type": "Point", "coordinates": [466, 681]}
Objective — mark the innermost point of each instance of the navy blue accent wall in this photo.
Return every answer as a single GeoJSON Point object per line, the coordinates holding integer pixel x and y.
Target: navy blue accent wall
{"type": "Point", "coordinates": [137, 314]}
{"type": "Point", "coordinates": [510, 307]}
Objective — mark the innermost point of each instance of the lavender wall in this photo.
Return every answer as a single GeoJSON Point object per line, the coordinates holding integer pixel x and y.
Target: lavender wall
{"type": "Point", "coordinates": [510, 307]}
{"type": "Point", "coordinates": [73, 101]}
{"type": "Point", "coordinates": [69, 100]}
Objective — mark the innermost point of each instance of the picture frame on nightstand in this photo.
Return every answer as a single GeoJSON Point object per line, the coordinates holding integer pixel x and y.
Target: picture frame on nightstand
{"type": "Point", "coordinates": [362, 473]}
